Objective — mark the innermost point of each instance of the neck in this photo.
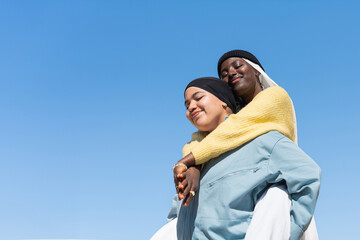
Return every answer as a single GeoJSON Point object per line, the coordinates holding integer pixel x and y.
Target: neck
{"type": "Point", "coordinates": [249, 97]}
{"type": "Point", "coordinates": [222, 118]}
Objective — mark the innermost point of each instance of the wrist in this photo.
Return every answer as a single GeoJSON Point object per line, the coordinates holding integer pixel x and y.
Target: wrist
{"type": "Point", "coordinates": [188, 160]}
{"type": "Point", "coordinates": [180, 164]}
{"type": "Point", "coordinates": [199, 167]}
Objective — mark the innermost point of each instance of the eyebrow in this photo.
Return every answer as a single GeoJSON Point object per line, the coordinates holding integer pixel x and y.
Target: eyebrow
{"type": "Point", "coordinates": [192, 96]}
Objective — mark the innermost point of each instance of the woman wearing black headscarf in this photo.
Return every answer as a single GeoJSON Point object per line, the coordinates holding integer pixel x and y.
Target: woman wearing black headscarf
{"type": "Point", "coordinates": [214, 101]}
{"type": "Point", "coordinates": [272, 110]}
{"type": "Point", "coordinates": [206, 116]}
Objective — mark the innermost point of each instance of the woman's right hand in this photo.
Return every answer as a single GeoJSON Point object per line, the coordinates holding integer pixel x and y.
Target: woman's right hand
{"type": "Point", "coordinates": [188, 161]}
{"type": "Point", "coordinates": [188, 184]}
{"type": "Point", "coordinates": [178, 171]}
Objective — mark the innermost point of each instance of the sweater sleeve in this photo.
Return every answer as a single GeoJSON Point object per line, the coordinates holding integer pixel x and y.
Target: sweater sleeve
{"type": "Point", "coordinates": [270, 110]}
{"type": "Point", "coordinates": [195, 139]}
{"type": "Point", "coordinates": [302, 176]}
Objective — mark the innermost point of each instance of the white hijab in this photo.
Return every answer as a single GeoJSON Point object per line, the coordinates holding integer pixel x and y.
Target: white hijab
{"type": "Point", "coordinates": [267, 82]}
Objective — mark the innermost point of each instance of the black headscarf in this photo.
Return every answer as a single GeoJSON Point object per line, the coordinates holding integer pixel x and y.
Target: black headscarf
{"type": "Point", "coordinates": [218, 88]}
{"type": "Point", "coordinates": [239, 54]}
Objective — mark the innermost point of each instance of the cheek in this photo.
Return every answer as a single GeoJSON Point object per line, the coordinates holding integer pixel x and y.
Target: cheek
{"type": "Point", "coordinates": [250, 75]}
{"type": "Point", "coordinates": [211, 119]}
{"type": "Point", "coordinates": [204, 103]}
{"type": "Point", "coordinates": [188, 116]}
{"type": "Point", "coordinates": [211, 110]}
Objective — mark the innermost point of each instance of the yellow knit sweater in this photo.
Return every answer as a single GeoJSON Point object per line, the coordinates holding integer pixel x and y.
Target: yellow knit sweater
{"type": "Point", "coordinates": [270, 110]}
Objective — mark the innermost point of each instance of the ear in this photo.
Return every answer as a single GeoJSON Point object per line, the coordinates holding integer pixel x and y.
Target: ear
{"type": "Point", "coordinates": [224, 105]}
{"type": "Point", "coordinates": [257, 73]}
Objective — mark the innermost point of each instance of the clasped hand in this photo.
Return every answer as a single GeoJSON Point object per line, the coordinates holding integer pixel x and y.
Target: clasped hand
{"type": "Point", "coordinates": [186, 183]}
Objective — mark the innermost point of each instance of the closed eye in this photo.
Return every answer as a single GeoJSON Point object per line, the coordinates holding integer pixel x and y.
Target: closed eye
{"type": "Point", "coordinates": [223, 75]}
{"type": "Point", "coordinates": [198, 98]}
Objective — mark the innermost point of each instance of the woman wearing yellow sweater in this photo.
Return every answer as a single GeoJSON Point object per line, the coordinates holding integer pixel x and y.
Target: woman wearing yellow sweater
{"type": "Point", "coordinates": [265, 107]}
{"type": "Point", "coordinates": [231, 184]}
{"type": "Point", "coordinates": [263, 111]}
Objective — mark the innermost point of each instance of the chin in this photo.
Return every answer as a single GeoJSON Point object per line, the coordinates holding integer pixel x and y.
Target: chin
{"type": "Point", "coordinates": [239, 92]}
{"type": "Point", "coordinates": [239, 89]}
{"type": "Point", "coordinates": [202, 128]}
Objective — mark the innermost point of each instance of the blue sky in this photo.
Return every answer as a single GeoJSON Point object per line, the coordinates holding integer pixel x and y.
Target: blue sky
{"type": "Point", "coordinates": [92, 114]}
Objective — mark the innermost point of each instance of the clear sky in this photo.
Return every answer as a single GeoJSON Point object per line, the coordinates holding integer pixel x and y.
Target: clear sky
{"type": "Point", "coordinates": [92, 111]}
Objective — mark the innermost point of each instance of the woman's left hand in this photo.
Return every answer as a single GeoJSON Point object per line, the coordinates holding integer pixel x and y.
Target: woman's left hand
{"type": "Point", "coordinates": [188, 184]}
{"type": "Point", "coordinates": [178, 176]}
{"type": "Point", "coordinates": [188, 161]}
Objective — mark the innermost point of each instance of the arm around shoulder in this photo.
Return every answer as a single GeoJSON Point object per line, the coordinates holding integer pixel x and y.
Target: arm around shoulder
{"type": "Point", "coordinates": [270, 110]}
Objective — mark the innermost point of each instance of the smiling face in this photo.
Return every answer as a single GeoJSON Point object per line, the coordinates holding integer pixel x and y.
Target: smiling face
{"type": "Point", "coordinates": [204, 110]}
{"type": "Point", "coordinates": [242, 77]}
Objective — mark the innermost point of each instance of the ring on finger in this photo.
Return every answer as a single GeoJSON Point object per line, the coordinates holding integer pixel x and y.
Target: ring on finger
{"type": "Point", "coordinates": [192, 193]}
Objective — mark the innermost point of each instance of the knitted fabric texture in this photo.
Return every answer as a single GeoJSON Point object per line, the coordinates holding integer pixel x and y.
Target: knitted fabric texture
{"type": "Point", "coordinates": [270, 110]}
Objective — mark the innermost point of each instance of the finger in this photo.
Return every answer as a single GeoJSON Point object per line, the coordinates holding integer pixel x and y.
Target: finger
{"type": "Point", "coordinates": [180, 176]}
{"type": "Point", "coordinates": [176, 183]}
{"type": "Point", "coordinates": [184, 203]}
{"type": "Point", "coordinates": [189, 198]}
{"type": "Point", "coordinates": [179, 169]}
{"type": "Point", "coordinates": [175, 178]}
{"type": "Point", "coordinates": [182, 184]}
{"type": "Point", "coordinates": [182, 187]}
{"type": "Point", "coordinates": [187, 189]}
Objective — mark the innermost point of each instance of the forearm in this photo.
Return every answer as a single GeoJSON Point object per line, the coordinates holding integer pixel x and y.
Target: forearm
{"type": "Point", "coordinates": [302, 208]}
{"type": "Point", "coordinates": [269, 110]}
{"type": "Point", "coordinates": [188, 160]}
{"type": "Point", "coordinates": [302, 176]}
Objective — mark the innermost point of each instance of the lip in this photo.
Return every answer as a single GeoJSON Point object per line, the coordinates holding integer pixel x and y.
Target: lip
{"type": "Point", "coordinates": [235, 80]}
{"type": "Point", "coordinates": [195, 114]}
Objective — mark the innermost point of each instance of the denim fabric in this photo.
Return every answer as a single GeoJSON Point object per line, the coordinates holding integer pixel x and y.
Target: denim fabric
{"type": "Point", "coordinates": [231, 184]}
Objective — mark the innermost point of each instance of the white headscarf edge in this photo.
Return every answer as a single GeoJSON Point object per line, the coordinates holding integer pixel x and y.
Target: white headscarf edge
{"type": "Point", "coordinates": [267, 82]}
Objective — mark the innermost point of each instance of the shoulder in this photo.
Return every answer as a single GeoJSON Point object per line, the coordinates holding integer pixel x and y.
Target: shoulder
{"type": "Point", "coordinates": [264, 143]}
{"type": "Point", "coordinates": [270, 139]}
{"type": "Point", "coordinates": [286, 149]}
{"type": "Point", "coordinates": [198, 136]}
{"type": "Point", "coordinates": [274, 92]}
{"type": "Point", "coordinates": [289, 156]}
{"type": "Point", "coordinates": [272, 97]}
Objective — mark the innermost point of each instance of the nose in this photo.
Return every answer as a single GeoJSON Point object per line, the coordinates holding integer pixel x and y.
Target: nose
{"type": "Point", "coordinates": [192, 106]}
{"type": "Point", "coordinates": [232, 72]}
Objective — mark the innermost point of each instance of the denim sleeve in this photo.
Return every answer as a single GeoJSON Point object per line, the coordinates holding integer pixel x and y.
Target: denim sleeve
{"type": "Point", "coordinates": [302, 176]}
{"type": "Point", "coordinates": [175, 206]}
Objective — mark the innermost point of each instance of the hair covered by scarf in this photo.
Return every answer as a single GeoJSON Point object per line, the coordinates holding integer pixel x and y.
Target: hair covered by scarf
{"type": "Point", "coordinates": [218, 88]}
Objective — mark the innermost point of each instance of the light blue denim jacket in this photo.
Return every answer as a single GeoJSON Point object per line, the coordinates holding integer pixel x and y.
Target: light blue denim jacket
{"type": "Point", "coordinates": [231, 184]}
